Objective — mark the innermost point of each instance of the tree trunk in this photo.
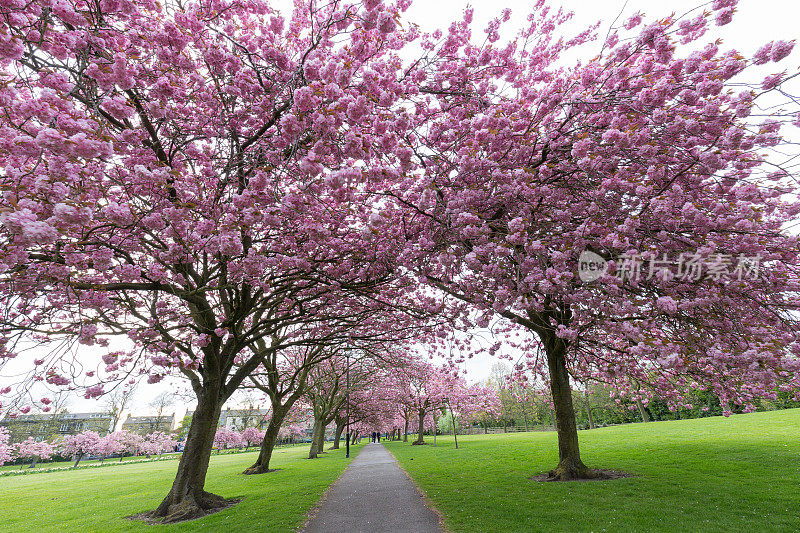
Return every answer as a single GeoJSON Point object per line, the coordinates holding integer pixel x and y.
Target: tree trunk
{"type": "Point", "coordinates": [642, 411]}
{"type": "Point", "coordinates": [405, 429]}
{"type": "Point", "coordinates": [261, 466]}
{"type": "Point", "coordinates": [589, 409]}
{"type": "Point", "coordinates": [321, 438]}
{"type": "Point", "coordinates": [77, 460]}
{"type": "Point", "coordinates": [316, 448]}
{"type": "Point", "coordinates": [570, 465]}
{"type": "Point", "coordinates": [33, 463]}
{"type": "Point", "coordinates": [337, 437]}
{"type": "Point", "coordinates": [421, 427]}
{"type": "Point", "coordinates": [187, 499]}
{"type": "Point", "coordinates": [525, 416]}
{"type": "Point", "coordinates": [453, 419]}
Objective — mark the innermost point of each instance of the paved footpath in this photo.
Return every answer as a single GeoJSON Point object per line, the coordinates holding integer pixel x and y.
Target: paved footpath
{"type": "Point", "coordinates": [374, 496]}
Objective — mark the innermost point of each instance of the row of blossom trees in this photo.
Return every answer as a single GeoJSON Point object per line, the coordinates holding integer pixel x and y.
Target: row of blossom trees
{"type": "Point", "coordinates": [86, 443]}
{"type": "Point", "coordinates": [257, 196]}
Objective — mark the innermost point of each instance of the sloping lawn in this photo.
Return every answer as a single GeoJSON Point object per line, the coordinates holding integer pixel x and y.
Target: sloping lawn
{"type": "Point", "coordinates": [714, 474]}
{"type": "Point", "coordinates": [98, 499]}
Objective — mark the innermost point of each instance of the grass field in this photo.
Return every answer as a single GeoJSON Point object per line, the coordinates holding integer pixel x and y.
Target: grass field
{"type": "Point", "coordinates": [98, 499]}
{"type": "Point", "coordinates": [714, 474]}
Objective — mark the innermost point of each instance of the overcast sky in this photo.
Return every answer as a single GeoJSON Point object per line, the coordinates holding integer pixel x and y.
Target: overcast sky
{"type": "Point", "coordinates": [757, 22]}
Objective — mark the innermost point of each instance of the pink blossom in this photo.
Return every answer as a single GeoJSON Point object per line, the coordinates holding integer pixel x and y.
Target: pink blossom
{"type": "Point", "coordinates": [94, 392]}
{"type": "Point", "coordinates": [72, 215]}
{"type": "Point", "coordinates": [633, 21]}
{"type": "Point", "coordinates": [5, 448]}
{"type": "Point", "coordinates": [724, 16]}
{"type": "Point", "coordinates": [763, 54]}
{"type": "Point", "coordinates": [781, 49]}
{"type": "Point", "coordinates": [252, 436]}
{"type": "Point", "coordinates": [228, 438]}
{"type": "Point", "coordinates": [770, 82]}
{"type": "Point", "coordinates": [24, 223]}
{"type": "Point", "coordinates": [79, 445]}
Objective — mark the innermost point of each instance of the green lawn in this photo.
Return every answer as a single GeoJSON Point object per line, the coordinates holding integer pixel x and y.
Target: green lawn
{"type": "Point", "coordinates": [715, 474]}
{"type": "Point", "coordinates": [98, 499]}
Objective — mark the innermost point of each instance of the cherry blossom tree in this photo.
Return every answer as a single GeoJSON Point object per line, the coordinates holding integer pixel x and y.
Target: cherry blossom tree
{"type": "Point", "coordinates": [252, 436]}
{"type": "Point", "coordinates": [128, 442]}
{"type": "Point", "coordinates": [5, 448]}
{"type": "Point", "coordinates": [291, 431]}
{"type": "Point", "coordinates": [365, 406]}
{"type": "Point", "coordinates": [365, 396]}
{"type": "Point", "coordinates": [326, 394]}
{"type": "Point", "coordinates": [470, 403]}
{"type": "Point", "coordinates": [226, 438]}
{"type": "Point", "coordinates": [159, 442]}
{"type": "Point", "coordinates": [295, 352]}
{"type": "Point", "coordinates": [76, 446]}
{"type": "Point", "coordinates": [645, 162]}
{"type": "Point", "coordinates": [283, 377]}
{"type": "Point", "coordinates": [192, 177]}
{"type": "Point", "coordinates": [107, 445]}
{"type": "Point", "coordinates": [421, 389]}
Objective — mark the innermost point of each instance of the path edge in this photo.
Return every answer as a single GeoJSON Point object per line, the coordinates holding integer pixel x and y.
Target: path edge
{"type": "Point", "coordinates": [442, 527]}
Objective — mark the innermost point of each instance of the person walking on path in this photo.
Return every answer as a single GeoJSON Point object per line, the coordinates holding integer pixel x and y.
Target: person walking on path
{"type": "Point", "coordinates": [373, 494]}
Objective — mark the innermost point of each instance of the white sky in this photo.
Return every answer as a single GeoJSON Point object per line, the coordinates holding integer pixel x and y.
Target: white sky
{"type": "Point", "coordinates": [757, 22]}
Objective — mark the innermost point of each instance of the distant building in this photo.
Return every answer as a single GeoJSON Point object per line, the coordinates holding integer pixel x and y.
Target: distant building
{"type": "Point", "coordinates": [46, 426]}
{"type": "Point", "coordinates": [240, 419]}
{"type": "Point", "coordinates": [143, 425]}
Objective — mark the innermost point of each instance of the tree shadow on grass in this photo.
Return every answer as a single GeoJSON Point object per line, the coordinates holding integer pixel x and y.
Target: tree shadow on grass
{"type": "Point", "coordinates": [597, 474]}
